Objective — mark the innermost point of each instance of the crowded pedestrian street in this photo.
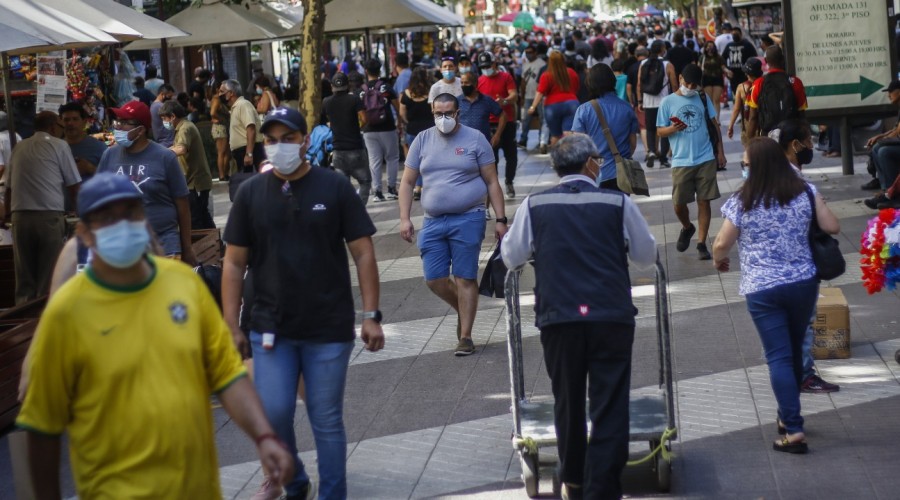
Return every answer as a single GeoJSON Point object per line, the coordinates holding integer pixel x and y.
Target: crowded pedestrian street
{"type": "Point", "coordinates": [422, 423]}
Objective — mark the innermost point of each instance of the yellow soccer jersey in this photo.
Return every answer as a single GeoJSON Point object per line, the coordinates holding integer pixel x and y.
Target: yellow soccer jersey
{"type": "Point", "coordinates": [128, 374]}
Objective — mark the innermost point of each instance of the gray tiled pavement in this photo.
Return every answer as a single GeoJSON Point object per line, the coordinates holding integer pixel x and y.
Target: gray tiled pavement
{"type": "Point", "coordinates": [423, 424]}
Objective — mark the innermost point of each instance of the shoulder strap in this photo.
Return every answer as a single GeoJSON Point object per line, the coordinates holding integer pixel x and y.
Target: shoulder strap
{"type": "Point", "coordinates": [595, 103]}
{"type": "Point", "coordinates": [813, 222]}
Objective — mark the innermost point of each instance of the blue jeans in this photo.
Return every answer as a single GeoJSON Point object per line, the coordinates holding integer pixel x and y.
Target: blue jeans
{"type": "Point", "coordinates": [781, 315]}
{"type": "Point", "coordinates": [324, 368]}
{"type": "Point", "coordinates": [560, 116]}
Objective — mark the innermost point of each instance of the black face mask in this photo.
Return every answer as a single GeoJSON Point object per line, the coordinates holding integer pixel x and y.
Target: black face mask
{"type": "Point", "coordinates": [468, 90]}
{"type": "Point", "coordinates": [805, 156]}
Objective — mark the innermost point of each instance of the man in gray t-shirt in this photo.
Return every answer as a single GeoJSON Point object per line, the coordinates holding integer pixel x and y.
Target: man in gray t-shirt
{"type": "Point", "coordinates": [457, 166]}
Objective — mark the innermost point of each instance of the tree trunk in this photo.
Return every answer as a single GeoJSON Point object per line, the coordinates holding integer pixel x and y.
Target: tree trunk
{"type": "Point", "coordinates": [310, 55]}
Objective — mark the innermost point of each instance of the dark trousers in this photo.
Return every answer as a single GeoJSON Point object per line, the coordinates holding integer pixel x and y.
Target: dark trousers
{"type": "Point", "coordinates": [38, 238]}
{"type": "Point", "coordinates": [663, 151]}
{"type": "Point", "coordinates": [259, 154]}
{"type": "Point", "coordinates": [592, 358]}
{"type": "Point", "coordinates": [508, 145]}
{"type": "Point", "coordinates": [199, 204]}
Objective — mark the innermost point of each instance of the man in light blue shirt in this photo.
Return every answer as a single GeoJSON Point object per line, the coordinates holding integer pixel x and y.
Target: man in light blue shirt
{"type": "Point", "coordinates": [403, 72]}
{"type": "Point", "coordinates": [683, 118]}
{"type": "Point", "coordinates": [620, 117]}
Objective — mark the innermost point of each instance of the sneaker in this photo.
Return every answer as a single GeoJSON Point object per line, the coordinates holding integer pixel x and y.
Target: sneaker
{"type": "Point", "coordinates": [704, 253]}
{"type": "Point", "coordinates": [379, 196]}
{"type": "Point", "coordinates": [464, 347]}
{"type": "Point", "coordinates": [417, 195]}
{"type": "Point", "coordinates": [684, 238]}
{"type": "Point", "coordinates": [872, 185]}
{"type": "Point", "coordinates": [815, 385]}
{"type": "Point", "coordinates": [510, 191]}
{"type": "Point", "coordinates": [392, 193]}
{"type": "Point", "coordinates": [664, 163]}
{"type": "Point", "coordinates": [888, 204]}
{"type": "Point", "coordinates": [875, 201]}
{"type": "Point", "coordinates": [543, 149]}
{"type": "Point", "coordinates": [522, 145]}
{"type": "Point", "coordinates": [307, 493]}
{"type": "Point", "coordinates": [267, 491]}
{"type": "Point", "coordinates": [651, 157]}
{"type": "Point", "coordinates": [487, 214]}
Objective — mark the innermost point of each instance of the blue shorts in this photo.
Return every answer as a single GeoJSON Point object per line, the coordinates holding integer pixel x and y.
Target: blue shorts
{"type": "Point", "coordinates": [453, 238]}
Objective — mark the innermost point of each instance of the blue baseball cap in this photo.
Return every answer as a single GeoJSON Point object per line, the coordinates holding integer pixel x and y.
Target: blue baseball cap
{"type": "Point", "coordinates": [290, 118]}
{"type": "Point", "coordinates": [103, 189]}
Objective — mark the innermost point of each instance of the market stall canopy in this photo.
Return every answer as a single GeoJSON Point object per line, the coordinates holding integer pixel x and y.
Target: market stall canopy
{"type": "Point", "coordinates": [354, 16]}
{"type": "Point", "coordinates": [214, 23]}
{"type": "Point", "coordinates": [27, 27]}
{"type": "Point", "coordinates": [123, 22]}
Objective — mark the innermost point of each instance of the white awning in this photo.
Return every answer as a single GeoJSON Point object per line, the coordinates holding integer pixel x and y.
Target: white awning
{"type": "Point", "coordinates": [124, 23]}
{"type": "Point", "coordinates": [354, 16]}
{"type": "Point", "coordinates": [27, 27]}
{"type": "Point", "coordinates": [215, 23]}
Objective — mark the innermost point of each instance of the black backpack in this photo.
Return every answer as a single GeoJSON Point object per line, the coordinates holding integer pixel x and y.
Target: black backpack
{"type": "Point", "coordinates": [776, 101]}
{"type": "Point", "coordinates": [653, 76]}
{"type": "Point", "coordinates": [375, 104]}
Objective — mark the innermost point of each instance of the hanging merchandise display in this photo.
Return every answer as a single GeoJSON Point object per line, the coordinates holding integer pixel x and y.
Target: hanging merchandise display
{"type": "Point", "coordinates": [880, 250]}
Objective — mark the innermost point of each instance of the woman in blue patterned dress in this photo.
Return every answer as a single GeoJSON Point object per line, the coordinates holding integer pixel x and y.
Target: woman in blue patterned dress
{"type": "Point", "coordinates": [769, 220]}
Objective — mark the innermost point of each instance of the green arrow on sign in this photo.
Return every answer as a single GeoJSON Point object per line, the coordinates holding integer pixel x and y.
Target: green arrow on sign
{"type": "Point", "coordinates": [864, 88]}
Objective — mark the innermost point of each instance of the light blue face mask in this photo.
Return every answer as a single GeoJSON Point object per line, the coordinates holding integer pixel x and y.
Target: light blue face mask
{"type": "Point", "coordinates": [449, 75]}
{"type": "Point", "coordinates": [488, 71]}
{"type": "Point", "coordinates": [121, 137]}
{"type": "Point", "coordinates": [121, 245]}
{"type": "Point", "coordinates": [168, 125]}
{"type": "Point", "coordinates": [745, 173]}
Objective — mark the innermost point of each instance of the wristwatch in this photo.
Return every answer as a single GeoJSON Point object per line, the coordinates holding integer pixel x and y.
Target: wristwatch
{"type": "Point", "coordinates": [504, 220]}
{"type": "Point", "coordinates": [373, 315]}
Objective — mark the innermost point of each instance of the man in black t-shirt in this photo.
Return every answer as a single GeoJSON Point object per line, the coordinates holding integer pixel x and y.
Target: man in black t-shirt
{"type": "Point", "coordinates": [736, 55]}
{"type": "Point", "coordinates": [381, 138]}
{"type": "Point", "coordinates": [346, 113]}
{"type": "Point", "coordinates": [291, 225]}
{"type": "Point", "coordinates": [197, 88]}
{"type": "Point", "coordinates": [679, 55]}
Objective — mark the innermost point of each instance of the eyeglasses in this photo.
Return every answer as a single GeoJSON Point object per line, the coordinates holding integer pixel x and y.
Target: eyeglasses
{"type": "Point", "coordinates": [449, 114]}
{"type": "Point", "coordinates": [121, 125]}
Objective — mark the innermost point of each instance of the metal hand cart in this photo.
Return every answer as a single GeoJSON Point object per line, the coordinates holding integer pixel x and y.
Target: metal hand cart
{"type": "Point", "coordinates": [652, 416]}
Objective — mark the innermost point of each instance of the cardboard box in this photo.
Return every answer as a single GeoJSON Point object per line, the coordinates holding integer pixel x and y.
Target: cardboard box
{"type": "Point", "coordinates": [832, 325]}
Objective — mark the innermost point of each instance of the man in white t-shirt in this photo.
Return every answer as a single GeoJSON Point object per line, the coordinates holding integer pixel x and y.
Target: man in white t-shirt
{"type": "Point", "coordinates": [449, 83]}
{"type": "Point", "coordinates": [5, 155]}
{"type": "Point", "coordinates": [724, 39]}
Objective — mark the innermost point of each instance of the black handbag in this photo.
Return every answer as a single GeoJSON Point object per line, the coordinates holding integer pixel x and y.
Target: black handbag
{"type": "Point", "coordinates": [711, 128]}
{"type": "Point", "coordinates": [492, 281]}
{"type": "Point", "coordinates": [826, 252]}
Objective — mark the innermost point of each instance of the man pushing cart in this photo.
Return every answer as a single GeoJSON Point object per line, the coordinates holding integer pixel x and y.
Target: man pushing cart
{"type": "Point", "coordinates": [581, 238]}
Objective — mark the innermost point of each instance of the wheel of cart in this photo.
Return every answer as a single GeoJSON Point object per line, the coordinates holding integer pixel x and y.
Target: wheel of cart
{"type": "Point", "coordinates": [652, 415]}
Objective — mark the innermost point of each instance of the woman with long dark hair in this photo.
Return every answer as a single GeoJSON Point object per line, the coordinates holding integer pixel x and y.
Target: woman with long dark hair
{"type": "Point", "coordinates": [769, 219]}
{"type": "Point", "coordinates": [559, 84]}
{"type": "Point", "coordinates": [714, 73]}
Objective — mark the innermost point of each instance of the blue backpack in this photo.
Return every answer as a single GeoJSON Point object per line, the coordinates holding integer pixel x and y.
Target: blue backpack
{"type": "Point", "coordinates": [320, 146]}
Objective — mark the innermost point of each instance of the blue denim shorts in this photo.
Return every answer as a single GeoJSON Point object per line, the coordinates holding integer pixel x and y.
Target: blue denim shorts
{"type": "Point", "coordinates": [452, 239]}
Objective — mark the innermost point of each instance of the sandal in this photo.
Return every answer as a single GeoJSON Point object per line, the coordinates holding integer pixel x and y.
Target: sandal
{"type": "Point", "coordinates": [788, 446]}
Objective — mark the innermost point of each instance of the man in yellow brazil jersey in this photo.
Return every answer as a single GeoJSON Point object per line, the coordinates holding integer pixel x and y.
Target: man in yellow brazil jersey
{"type": "Point", "coordinates": [125, 358]}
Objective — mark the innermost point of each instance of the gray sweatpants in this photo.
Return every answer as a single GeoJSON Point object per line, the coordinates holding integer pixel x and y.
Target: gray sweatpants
{"type": "Point", "coordinates": [383, 147]}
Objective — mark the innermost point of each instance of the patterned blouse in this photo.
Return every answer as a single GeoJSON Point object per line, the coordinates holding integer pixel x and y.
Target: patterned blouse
{"type": "Point", "coordinates": [773, 242]}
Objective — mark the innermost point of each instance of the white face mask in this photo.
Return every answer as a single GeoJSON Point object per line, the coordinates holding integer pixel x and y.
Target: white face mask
{"type": "Point", "coordinates": [488, 71]}
{"type": "Point", "coordinates": [686, 92]}
{"type": "Point", "coordinates": [445, 124]}
{"type": "Point", "coordinates": [285, 158]}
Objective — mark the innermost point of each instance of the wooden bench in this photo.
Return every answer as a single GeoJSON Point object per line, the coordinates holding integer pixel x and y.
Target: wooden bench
{"type": "Point", "coordinates": [208, 246]}
{"type": "Point", "coordinates": [17, 327]}
{"type": "Point", "coordinates": [7, 277]}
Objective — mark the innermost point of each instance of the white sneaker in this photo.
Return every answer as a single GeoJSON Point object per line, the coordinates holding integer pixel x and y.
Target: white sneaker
{"type": "Point", "coordinates": [487, 214]}
{"type": "Point", "coordinates": [267, 491]}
